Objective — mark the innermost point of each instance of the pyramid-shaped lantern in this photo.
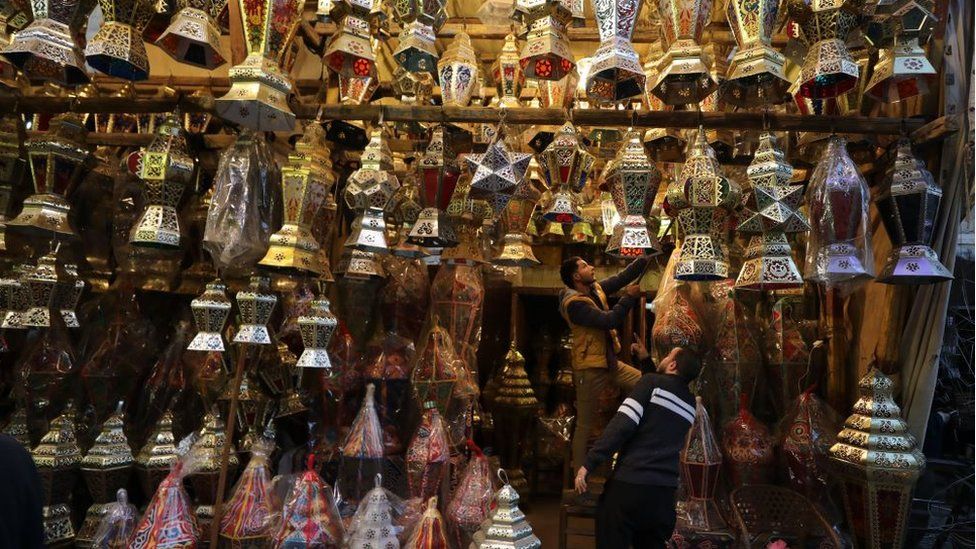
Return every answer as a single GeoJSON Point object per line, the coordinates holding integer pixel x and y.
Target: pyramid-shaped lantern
{"type": "Point", "coordinates": [157, 456]}
{"type": "Point", "coordinates": [701, 466]}
{"type": "Point", "coordinates": [46, 49]}
{"type": "Point", "coordinates": [106, 469]}
{"type": "Point", "coordinates": [350, 50]}
{"type": "Point", "coordinates": [506, 526]}
{"type": "Point", "coordinates": [756, 76]}
{"type": "Point", "coordinates": [439, 173]}
{"type": "Point", "coordinates": [632, 180]}
{"type": "Point", "coordinates": [117, 49]}
{"type": "Point", "coordinates": [497, 172]}
{"type": "Point", "coordinates": [458, 72]}
{"type": "Point", "coordinates": [256, 305]}
{"type": "Point", "coordinates": [828, 69]}
{"type": "Point", "coordinates": [316, 327]}
{"type": "Point", "coordinates": [57, 458]}
{"type": "Point", "coordinates": [684, 76]}
{"type": "Point", "coordinates": [565, 165]}
{"type": "Point", "coordinates": [616, 74]}
{"type": "Point", "coordinates": [193, 35]}
{"type": "Point", "coordinates": [420, 20]}
{"type": "Point", "coordinates": [210, 312]}
{"type": "Point", "coordinates": [258, 96]}
{"type": "Point", "coordinates": [370, 191]}
{"type": "Point", "coordinates": [546, 54]}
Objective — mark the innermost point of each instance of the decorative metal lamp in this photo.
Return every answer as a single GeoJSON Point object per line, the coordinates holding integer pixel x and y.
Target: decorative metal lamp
{"type": "Point", "coordinates": [57, 160]}
{"type": "Point", "coordinates": [546, 54]}
{"type": "Point", "coordinates": [506, 526]}
{"type": "Point", "coordinates": [662, 144]}
{"type": "Point", "coordinates": [909, 203]}
{"type": "Point", "coordinates": [405, 213]}
{"type": "Point", "coordinates": [773, 210]}
{"type": "Point", "coordinates": [516, 244]}
{"type": "Point", "coordinates": [878, 463]}
{"type": "Point", "coordinates": [497, 172]}
{"type": "Point", "coordinates": [420, 20]}
{"type": "Point", "coordinates": [210, 312]}
{"type": "Point", "coordinates": [466, 214]}
{"type": "Point", "coordinates": [632, 180]}
{"type": "Point", "coordinates": [317, 327]}
{"type": "Point", "coordinates": [616, 74]}
{"type": "Point", "coordinates": [701, 466]}
{"type": "Point", "coordinates": [756, 76]}
{"type": "Point", "coordinates": [369, 191]}
{"type": "Point", "coordinates": [46, 49]}
{"type": "Point", "coordinates": [209, 446]}
{"type": "Point", "coordinates": [193, 35]}
{"type": "Point", "coordinates": [41, 284]}
{"type": "Point", "coordinates": [16, 297]}
{"type": "Point", "coordinates": [903, 70]}
{"type": "Point", "coordinates": [166, 168]}
{"type": "Point", "coordinates": [117, 48]}
{"type": "Point", "coordinates": [557, 94]}
{"type": "Point", "coordinates": [68, 293]}
{"type": "Point", "coordinates": [684, 76]}
{"type": "Point", "coordinates": [439, 173]}
{"type": "Point", "coordinates": [828, 69]}
{"type": "Point", "coordinates": [350, 50]}
{"type": "Point", "coordinates": [358, 90]}
{"type": "Point", "coordinates": [106, 468]}
{"type": "Point", "coordinates": [256, 305]}
{"type": "Point", "coordinates": [57, 458]}
{"type": "Point", "coordinates": [458, 72]}
{"type": "Point", "coordinates": [158, 454]}
{"type": "Point", "coordinates": [565, 165]}
{"type": "Point", "coordinates": [507, 72]}
{"type": "Point", "coordinates": [258, 96]}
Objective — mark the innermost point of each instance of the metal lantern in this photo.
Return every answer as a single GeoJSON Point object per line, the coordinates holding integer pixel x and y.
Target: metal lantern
{"type": "Point", "coordinates": [632, 180]}
{"type": "Point", "coordinates": [435, 370]}
{"type": "Point", "coordinates": [256, 305]}
{"type": "Point", "coordinates": [47, 49]}
{"type": "Point", "coordinates": [701, 466]}
{"type": "Point", "coordinates": [193, 35]}
{"type": "Point", "coordinates": [41, 284]}
{"type": "Point", "coordinates": [684, 76]}
{"type": "Point", "coordinates": [204, 481]}
{"type": "Point", "coordinates": [360, 265]}
{"type": "Point", "coordinates": [546, 54]}
{"type": "Point", "coordinates": [439, 173]}
{"type": "Point", "coordinates": [756, 76]}
{"type": "Point", "coordinates": [507, 72]}
{"type": "Point", "coordinates": [358, 90]}
{"type": "Point", "coordinates": [616, 74]}
{"type": "Point", "coordinates": [466, 214]}
{"type": "Point", "coordinates": [773, 208]}
{"type": "Point", "coordinates": [57, 161]}
{"type": "Point", "coordinates": [902, 71]}
{"type": "Point", "coordinates": [458, 72]}
{"type": "Point", "coordinates": [106, 468]}
{"type": "Point", "coordinates": [565, 165]}
{"type": "Point", "coordinates": [878, 463]}
{"type": "Point", "coordinates": [405, 214]}
{"type": "Point", "coordinates": [155, 458]}
{"type": "Point", "coordinates": [166, 168]}
{"type": "Point", "coordinates": [828, 69]}
{"type": "Point", "coordinates": [497, 172]}
{"type": "Point", "coordinates": [516, 244]}
{"type": "Point", "coordinates": [909, 203]}
{"type": "Point", "coordinates": [16, 297]}
{"type": "Point", "coordinates": [210, 312]}
{"type": "Point", "coordinates": [703, 198]}
{"type": "Point", "coordinates": [117, 48]}
{"type": "Point", "coordinates": [420, 20]}
{"type": "Point", "coordinates": [57, 458]}
{"type": "Point", "coordinates": [370, 191]}
{"type": "Point", "coordinates": [350, 50]}
{"type": "Point", "coordinates": [506, 526]}
{"type": "Point", "coordinates": [662, 144]}
{"type": "Point", "coordinates": [258, 95]}
{"type": "Point", "coordinates": [317, 327]}
{"type": "Point", "coordinates": [557, 94]}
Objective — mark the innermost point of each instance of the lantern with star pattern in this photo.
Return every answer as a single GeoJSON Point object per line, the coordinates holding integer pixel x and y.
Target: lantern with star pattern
{"type": "Point", "coordinates": [546, 54]}
{"type": "Point", "coordinates": [369, 191]}
{"type": "Point", "coordinates": [632, 180]}
{"type": "Point", "coordinates": [420, 20]}
{"type": "Point", "coordinates": [439, 173]}
{"type": "Point", "coordinates": [565, 165]}
{"type": "Point", "coordinates": [497, 172]}
{"type": "Point", "coordinates": [350, 50]}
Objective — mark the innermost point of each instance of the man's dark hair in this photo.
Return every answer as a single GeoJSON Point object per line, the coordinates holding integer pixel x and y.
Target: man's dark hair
{"type": "Point", "coordinates": [688, 364]}
{"type": "Point", "coordinates": [568, 269]}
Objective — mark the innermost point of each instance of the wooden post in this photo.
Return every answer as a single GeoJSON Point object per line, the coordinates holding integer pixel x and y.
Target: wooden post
{"type": "Point", "coordinates": [837, 367]}
{"type": "Point", "coordinates": [238, 51]}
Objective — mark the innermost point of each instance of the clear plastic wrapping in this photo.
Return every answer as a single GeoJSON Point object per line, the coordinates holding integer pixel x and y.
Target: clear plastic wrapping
{"type": "Point", "coordinates": [677, 322]}
{"type": "Point", "coordinates": [457, 296]}
{"type": "Point", "coordinates": [118, 524]}
{"type": "Point", "coordinates": [427, 455]}
{"type": "Point", "coordinates": [362, 451]}
{"type": "Point", "coordinates": [374, 524]}
{"type": "Point", "coordinates": [309, 518]}
{"type": "Point", "coordinates": [701, 467]}
{"type": "Point", "coordinates": [748, 448]}
{"type": "Point", "coordinates": [436, 370]}
{"type": "Point", "coordinates": [247, 514]}
{"type": "Point", "coordinates": [406, 296]}
{"type": "Point", "coordinates": [805, 436]}
{"type": "Point", "coordinates": [429, 533]}
{"type": "Point", "coordinates": [169, 521]}
{"type": "Point", "coordinates": [471, 501]}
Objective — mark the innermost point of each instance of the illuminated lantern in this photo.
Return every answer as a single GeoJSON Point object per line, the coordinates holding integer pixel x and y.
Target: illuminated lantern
{"type": "Point", "coordinates": [903, 69]}
{"type": "Point", "coordinates": [467, 215]}
{"type": "Point", "coordinates": [210, 312]}
{"type": "Point", "coordinates": [755, 76]}
{"type": "Point", "coordinates": [632, 180]}
{"type": "Point", "coordinates": [565, 165]}
{"type": "Point", "coordinates": [616, 74]}
{"type": "Point", "coordinates": [439, 173]}
{"type": "Point", "coordinates": [546, 54]}
{"type": "Point", "coordinates": [193, 35]}
{"type": "Point", "coordinates": [420, 20]}
{"type": "Point", "coordinates": [350, 50]}
{"type": "Point", "coordinates": [662, 144]}
{"type": "Point", "coordinates": [828, 69]}
{"type": "Point", "coordinates": [46, 49]}
{"type": "Point", "coordinates": [458, 72]}
{"type": "Point", "coordinates": [117, 49]}
{"type": "Point", "coordinates": [684, 76]}
{"type": "Point", "coordinates": [370, 191]}
{"type": "Point", "coordinates": [497, 172]}
{"type": "Point", "coordinates": [507, 72]}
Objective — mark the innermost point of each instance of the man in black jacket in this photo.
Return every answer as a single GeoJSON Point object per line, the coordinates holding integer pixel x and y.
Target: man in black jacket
{"type": "Point", "coordinates": [20, 505]}
{"type": "Point", "coordinates": [647, 433]}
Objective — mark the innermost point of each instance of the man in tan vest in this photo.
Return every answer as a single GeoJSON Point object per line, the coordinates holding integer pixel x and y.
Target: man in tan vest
{"type": "Point", "coordinates": [593, 325]}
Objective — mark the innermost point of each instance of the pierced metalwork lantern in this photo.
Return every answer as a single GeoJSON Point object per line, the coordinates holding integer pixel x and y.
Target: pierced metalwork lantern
{"type": "Point", "coordinates": [684, 76]}
{"type": "Point", "coordinates": [317, 327]}
{"type": "Point", "coordinates": [209, 446]}
{"type": "Point", "coordinates": [662, 144]}
{"type": "Point", "coordinates": [497, 172]}
{"type": "Point", "coordinates": [516, 244]}
{"type": "Point", "coordinates": [41, 284]}
{"type": "Point", "coordinates": [358, 90]}
{"type": "Point", "coordinates": [902, 71]}
{"type": "Point", "coordinates": [756, 76]}
{"type": "Point", "coordinates": [117, 48]}
{"type": "Point", "coordinates": [106, 468]}
{"type": "Point", "coordinates": [46, 49]}
{"type": "Point", "coordinates": [616, 74]}
{"type": "Point", "coordinates": [350, 50]}
{"type": "Point", "coordinates": [546, 54]}
{"type": "Point", "coordinates": [420, 20]}
{"type": "Point", "coordinates": [565, 165]}
{"type": "Point", "coordinates": [16, 297]}
{"type": "Point", "coordinates": [439, 173]}
{"type": "Point", "coordinates": [557, 94]}
{"type": "Point", "coordinates": [909, 203]}
{"type": "Point", "coordinates": [256, 305]}
{"type": "Point", "coordinates": [507, 73]}
{"type": "Point", "coordinates": [158, 454]}
{"type": "Point", "coordinates": [828, 69]}
{"type": "Point", "coordinates": [632, 180]}
{"type": "Point", "coordinates": [193, 35]}
{"type": "Point", "coordinates": [370, 191]}
{"type": "Point", "coordinates": [210, 312]}
{"type": "Point", "coordinates": [458, 72]}
{"type": "Point", "coordinates": [258, 96]}
{"type": "Point", "coordinates": [67, 294]}
{"type": "Point", "coordinates": [57, 458]}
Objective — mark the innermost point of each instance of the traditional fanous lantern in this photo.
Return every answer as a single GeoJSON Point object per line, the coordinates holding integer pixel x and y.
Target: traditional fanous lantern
{"type": "Point", "coordinates": [756, 76]}
{"type": "Point", "coordinates": [703, 198]}
{"type": "Point", "coordinates": [106, 469]}
{"type": "Point", "coordinates": [616, 74]}
{"type": "Point", "coordinates": [507, 72]}
{"type": "Point", "coordinates": [632, 180]}
{"type": "Point", "coordinates": [878, 462]}
{"type": "Point", "coordinates": [565, 165]}
{"type": "Point", "coordinates": [546, 54]}
{"type": "Point", "coordinates": [839, 249]}
{"type": "Point", "coordinates": [439, 173]}
{"type": "Point", "coordinates": [701, 466]}
{"type": "Point", "coordinates": [42, 284]}
{"type": "Point", "coordinates": [57, 458]}
{"type": "Point", "coordinates": [435, 372]}
{"type": "Point", "coordinates": [370, 191]}
{"type": "Point", "coordinates": [467, 215]}
{"type": "Point", "coordinates": [193, 35]}
{"type": "Point", "coordinates": [828, 69]}
{"type": "Point", "coordinates": [908, 203]}
{"type": "Point", "coordinates": [210, 312]}
{"type": "Point", "coordinates": [166, 168]}
{"type": "Point", "coordinates": [117, 48]}
{"type": "Point", "coordinates": [420, 20]}
{"type": "Point", "coordinates": [662, 144]}
{"type": "Point", "coordinates": [208, 448]}
{"type": "Point", "coordinates": [256, 304]}
{"type": "Point", "coordinates": [903, 70]}
{"type": "Point", "coordinates": [506, 526]}
{"type": "Point", "coordinates": [516, 244]}
{"type": "Point", "coordinates": [57, 161]}
{"type": "Point", "coordinates": [557, 94]}
{"type": "Point", "coordinates": [46, 49]}
{"type": "Point", "coordinates": [258, 96]}
{"type": "Point", "coordinates": [458, 72]}
{"type": "Point", "coordinates": [773, 210]}
{"type": "Point", "coordinates": [748, 448]}
{"type": "Point", "coordinates": [158, 455]}
{"type": "Point", "coordinates": [684, 76]}
{"type": "Point", "coordinates": [497, 172]}
{"type": "Point", "coordinates": [317, 327]}
{"type": "Point", "coordinates": [350, 50]}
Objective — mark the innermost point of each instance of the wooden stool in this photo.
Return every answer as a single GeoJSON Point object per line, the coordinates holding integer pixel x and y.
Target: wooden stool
{"type": "Point", "coordinates": [569, 510]}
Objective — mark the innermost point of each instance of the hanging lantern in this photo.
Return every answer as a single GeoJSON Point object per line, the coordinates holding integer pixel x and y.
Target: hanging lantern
{"type": "Point", "coordinates": [828, 69]}
{"type": "Point", "coordinates": [405, 214]}
{"type": "Point", "coordinates": [41, 284]}
{"type": "Point", "coordinates": [546, 54]}
{"type": "Point", "coordinates": [439, 173]}
{"type": "Point", "coordinates": [496, 173]}
{"type": "Point", "coordinates": [507, 73]}
{"type": "Point", "coordinates": [419, 20]}
{"type": "Point", "coordinates": [748, 448]}
{"type": "Point", "coordinates": [839, 249]}
{"type": "Point", "coordinates": [68, 293]}
{"type": "Point", "coordinates": [117, 48]}
{"type": "Point", "coordinates": [466, 214]}
{"type": "Point", "coordinates": [57, 160]}
{"type": "Point", "coordinates": [909, 203]}
{"type": "Point", "coordinates": [210, 312]}
{"type": "Point", "coordinates": [317, 327]}
{"type": "Point", "coordinates": [632, 180]}
{"type": "Point", "coordinates": [684, 76]}
{"type": "Point", "coordinates": [616, 74]}
{"type": "Point", "coordinates": [256, 304]}
{"type": "Point", "coordinates": [903, 71]}
{"type": "Point", "coordinates": [360, 265]}
{"type": "Point", "coordinates": [428, 455]}
{"type": "Point", "coordinates": [204, 480]}
{"type": "Point", "coordinates": [773, 207]}
{"type": "Point", "coordinates": [166, 168]}
{"type": "Point", "coordinates": [807, 433]}
{"type": "Point", "coordinates": [350, 50]}
{"type": "Point", "coordinates": [496, 12]}
{"type": "Point", "coordinates": [158, 455]}
{"type": "Point", "coordinates": [662, 144]}
{"type": "Point", "coordinates": [506, 526]}
{"type": "Point", "coordinates": [46, 49]}
{"type": "Point", "coordinates": [258, 96]}
{"type": "Point", "coordinates": [565, 165]}
{"type": "Point", "coordinates": [756, 76]}
{"type": "Point", "coordinates": [457, 72]}
{"type": "Point", "coordinates": [106, 469]}
{"type": "Point", "coordinates": [722, 141]}
{"type": "Point", "coordinates": [516, 244]}
{"type": "Point", "coordinates": [435, 372]}
{"type": "Point", "coordinates": [701, 466]}
{"type": "Point", "coordinates": [557, 94]}
{"type": "Point", "coordinates": [193, 35]}
{"type": "Point", "coordinates": [16, 297]}
{"type": "Point", "coordinates": [369, 191]}
{"type": "Point", "coordinates": [57, 458]}
{"type": "Point", "coordinates": [878, 462]}
{"type": "Point", "coordinates": [358, 90]}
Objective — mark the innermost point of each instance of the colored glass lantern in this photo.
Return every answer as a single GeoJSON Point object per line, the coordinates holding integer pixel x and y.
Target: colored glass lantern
{"type": "Point", "coordinates": [193, 35]}
{"type": "Point", "coordinates": [210, 312]}
{"type": "Point", "coordinates": [258, 96]}
{"type": "Point", "coordinates": [684, 76]}
{"type": "Point", "coordinates": [117, 49]}
{"type": "Point", "coordinates": [435, 371]}
{"type": "Point", "coordinates": [507, 73]}
{"type": "Point", "coordinates": [828, 69]}
{"type": "Point", "coordinates": [908, 203]}
{"type": "Point", "coordinates": [350, 50]}
{"type": "Point", "coordinates": [557, 94]}
{"type": "Point", "coordinates": [106, 469]}
{"type": "Point", "coordinates": [166, 168]}
{"type": "Point", "coordinates": [496, 173]}
{"type": "Point", "coordinates": [616, 74]}
{"type": "Point", "coordinates": [546, 54]}
{"type": "Point", "coordinates": [255, 305]}
{"type": "Point", "coordinates": [756, 76]}
{"type": "Point", "coordinates": [439, 173]}
{"type": "Point", "coordinates": [370, 191]}
{"type": "Point", "coordinates": [57, 458]}
{"type": "Point", "coordinates": [316, 327]}
{"type": "Point", "coordinates": [903, 71]}
{"type": "Point", "coordinates": [46, 49]}
{"type": "Point", "coordinates": [632, 180]}
{"type": "Point", "coordinates": [516, 244]}
{"type": "Point", "coordinates": [701, 467]}
{"type": "Point", "coordinates": [878, 462]}
{"type": "Point", "coordinates": [565, 165]}
{"type": "Point", "coordinates": [458, 72]}
{"type": "Point", "coordinates": [807, 433]}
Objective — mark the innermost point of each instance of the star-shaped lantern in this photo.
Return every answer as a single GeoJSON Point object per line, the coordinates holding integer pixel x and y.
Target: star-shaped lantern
{"type": "Point", "coordinates": [369, 191]}
{"type": "Point", "coordinates": [497, 172]}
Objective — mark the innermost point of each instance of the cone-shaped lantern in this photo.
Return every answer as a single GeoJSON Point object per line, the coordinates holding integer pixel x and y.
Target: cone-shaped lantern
{"type": "Point", "coordinates": [420, 20]}
{"type": "Point", "coordinates": [210, 312]}
{"type": "Point", "coordinates": [256, 304]}
{"type": "Point", "coordinates": [701, 466]}
{"type": "Point", "coordinates": [684, 76]}
{"type": "Point", "coordinates": [755, 76]}
{"type": "Point", "coordinates": [193, 35]}
{"type": "Point", "coordinates": [46, 49]}
{"type": "Point", "coordinates": [370, 191]}
{"type": "Point", "coordinates": [158, 455]}
{"type": "Point", "coordinates": [632, 180]}
{"type": "Point", "coordinates": [616, 74]}
{"type": "Point", "coordinates": [909, 203]}
{"type": "Point", "coordinates": [458, 72]}
{"type": "Point", "coordinates": [258, 96]}
{"type": "Point", "coordinates": [828, 69]}
{"type": "Point", "coordinates": [439, 173]}
{"type": "Point", "coordinates": [350, 50]}
{"type": "Point", "coordinates": [546, 54]}
{"type": "Point", "coordinates": [317, 327]}
{"type": "Point", "coordinates": [506, 526]}
{"type": "Point", "coordinates": [166, 168]}
{"type": "Point", "coordinates": [117, 48]}
{"type": "Point", "coordinates": [516, 244]}
{"type": "Point", "coordinates": [435, 371]}
{"type": "Point", "coordinates": [565, 165]}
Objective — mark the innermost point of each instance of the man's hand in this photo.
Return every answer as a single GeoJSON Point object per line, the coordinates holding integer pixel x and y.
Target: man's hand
{"type": "Point", "coordinates": [633, 290]}
{"type": "Point", "coordinates": [581, 480]}
{"type": "Point", "coordinates": [638, 349]}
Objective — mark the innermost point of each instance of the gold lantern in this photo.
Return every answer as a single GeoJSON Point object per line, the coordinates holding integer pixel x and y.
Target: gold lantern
{"type": "Point", "coordinates": [684, 76]}
{"type": "Point", "coordinates": [57, 458]}
{"type": "Point", "coordinates": [467, 215]}
{"type": "Point", "coordinates": [360, 265]}
{"type": "Point", "coordinates": [662, 144]}
{"type": "Point", "coordinates": [828, 69]}
{"type": "Point", "coordinates": [157, 456]}
{"type": "Point", "coordinates": [117, 48]}
{"type": "Point", "coordinates": [258, 96]}
{"type": "Point", "coordinates": [210, 312]}
{"type": "Point", "coordinates": [208, 448]}
{"type": "Point", "coordinates": [11, 165]}
{"type": "Point", "coordinates": [193, 35]}
{"type": "Point", "coordinates": [507, 73]}
{"type": "Point", "coordinates": [106, 468]}
{"type": "Point", "coordinates": [405, 214]}
{"type": "Point", "coordinates": [557, 94]}
{"type": "Point", "coordinates": [256, 305]}
{"type": "Point", "coordinates": [41, 284]}
{"type": "Point", "coordinates": [420, 21]}
{"type": "Point", "coordinates": [317, 326]}
{"type": "Point", "coordinates": [632, 180]}
{"type": "Point", "coordinates": [57, 160]}
{"type": "Point", "coordinates": [497, 172]}
{"type": "Point", "coordinates": [46, 49]}
{"type": "Point", "coordinates": [166, 168]}
{"type": "Point", "coordinates": [16, 298]}
{"type": "Point", "coordinates": [439, 173]}
{"type": "Point", "coordinates": [616, 74]}
{"type": "Point", "coordinates": [756, 76]}
{"type": "Point", "coordinates": [565, 165]}
{"type": "Point", "coordinates": [546, 54]}
{"type": "Point", "coordinates": [350, 50]}
{"type": "Point", "coordinates": [369, 191]}
{"type": "Point", "coordinates": [458, 72]}
{"type": "Point", "coordinates": [516, 244]}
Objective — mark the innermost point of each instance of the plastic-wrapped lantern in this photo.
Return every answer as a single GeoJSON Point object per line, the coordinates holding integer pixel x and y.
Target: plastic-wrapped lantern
{"type": "Point", "coordinates": [807, 435]}
{"type": "Point", "coordinates": [632, 180]}
{"type": "Point", "coordinates": [565, 165]}
{"type": "Point", "coordinates": [207, 450]}
{"type": "Point", "coordinates": [434, 374]}
{"type": "Point", "coordinates": [106, 469]}
{"type": "Point", "coordinates": [684, 76]}
{"type": "Point", "coordinates": [317, 326]}
{"type": "Point", "coordinates": [210, 312]}
{"type": "Point", "coordinates": [701, 466]}
{"type": "Point", "coordinates": [748, 448]}
{"type": "Point", "coordinates": [616, 74]}
{"type": "Point", "coordinates": [756, 76]}
{"type": "Point", "coordinates": [117, 49]}
{"type": "Point", "coordinates": [193, 35]}
{"type": "Point", "coordinates": [828, 69]}
{"type": "Point", "coordinates": [439, 173]}
{"type": "Point", "coordinates": [458, 72]}
{"type": "Point", "coordinates": [369, 191]}
{"type": "Point", "coordinates": [46, 49]}
{"type": "Point", "coordinates": [158, 455]}
{"type": "Point", "coordinates": [546, 54]}
{"type": "Point", "coordinates": [362, 451]}
{"type": "Point", "coordinates": [427, 455]}
{"type": "Point", "coordinates": [256, 304]}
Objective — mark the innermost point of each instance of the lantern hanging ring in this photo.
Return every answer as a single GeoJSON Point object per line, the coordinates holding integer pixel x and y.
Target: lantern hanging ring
{"type": "Point", "coordinates": [502, 476]}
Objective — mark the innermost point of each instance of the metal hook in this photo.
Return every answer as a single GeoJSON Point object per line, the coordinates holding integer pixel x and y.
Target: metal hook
{"type": "Point", "coordinates": [381, 116]}
{"type": "Point", "coordinates": [502, 476]}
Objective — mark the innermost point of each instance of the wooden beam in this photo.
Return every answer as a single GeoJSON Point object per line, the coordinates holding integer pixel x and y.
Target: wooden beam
{"type": "Point", "coordinates": [235, 26]}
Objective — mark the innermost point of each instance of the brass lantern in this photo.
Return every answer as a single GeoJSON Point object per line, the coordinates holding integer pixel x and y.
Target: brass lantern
{"type": "Point", "coordinates": [106, 468]}
{"type": "Point", "coordinates": [57, 458]}
{"type": "Point", "coordinates": [117, 48]}
{"type": "Point", "coordinates": [256, 305]}
{"type": "Point", "coordinates": [204, 480]}
{"type": "Point", "coordinates": [662, 144]}
{"type": "Point", "coordinates": [616, 74]}
{"type": "Point", "coordinates": [458, 72]}
{"type": "Point", "coordinates": [684, 76]}
{"type": "Point", "coordinates": [546, 54]}
{"type": "Point", "coordinates": [497, 172]}
{"type": "Point", "coordinates": [47, 49]}
{"type": "Point", "coordinates": [566, 166]}
{"type": "Point", "coordinates": [166, 168]}
{"type": "Point", "coordinates": [41, 284]}
{"type": "Point", "coordinates": [157, 455]}
{"type": "Point", "coordinates": [370, 191]}
{"type": "Point", "coordinates": [507, 72]}
{"type": "Point", "coordinates": [57, 160]}
{"type": "Point", "coordinates": [350, 50]}
{"type": "Point", "coordinates": [258, 96]}
{"type": "Point", "coordinates": [828, 69]}
{"type": "Point", "coordinates": [756, 76]}
{"type": "Point", "coordinates": [632, 180]}
{"type": "Point", "coordinates": [317, 326]}
{"type": "Point", "coordinates": [773, 208]}
{"type": "Point", "coordinates": [193, 35]}
{"type": "Point", "coordinates": [210, 312]}
{"type": "Point", "coordinates": [516, 244]}
{"type": "Point", "coordinates": [908, 203]}
{"type": "Point", "coordinates": [420, 21]}
{"type": "Point", "coordinates": [878, 462]}
{"type": "Point", "coordinates": [439, 173]}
